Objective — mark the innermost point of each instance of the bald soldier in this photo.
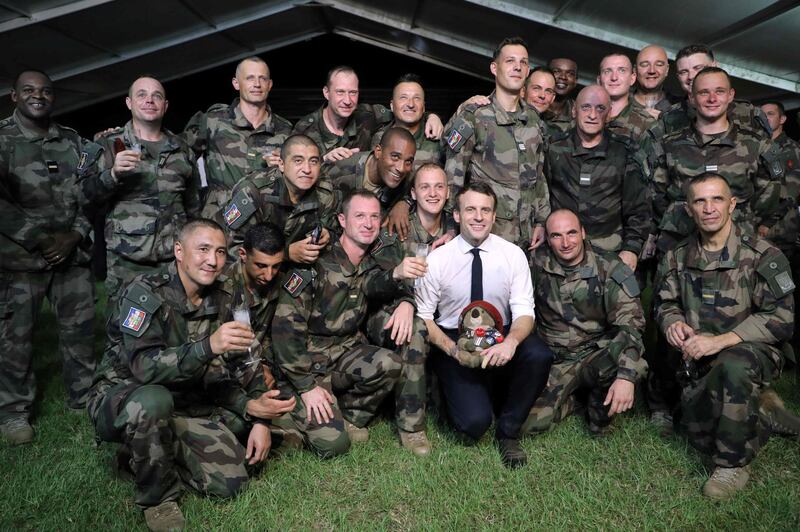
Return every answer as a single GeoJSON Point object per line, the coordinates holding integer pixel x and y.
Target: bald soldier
{"type": "Point", "coordinates": [233, 140]}
{"type": "Point", "coordinates": [652, 67]}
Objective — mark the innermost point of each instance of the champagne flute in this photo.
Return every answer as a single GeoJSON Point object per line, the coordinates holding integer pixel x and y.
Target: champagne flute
{"type": "Point", "coordinates": [241, 314]}
{"type": "Point", "coordinates": [421, 251]}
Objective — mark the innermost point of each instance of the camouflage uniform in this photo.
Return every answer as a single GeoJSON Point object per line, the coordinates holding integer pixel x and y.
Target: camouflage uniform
{"type": "Point", "coordinates": [40, 196]}
{"type": "Point", "coordinates": [604, 186]}
{"type": "Point", "coordinates": [784, 233]}
{"type": "Point", "coordinates": [179, 409]}
{"type": "Point", "coordinates": [362, 125]}
{"type": "Point", "coordinates": [146, 207]}
{"type": "Point", "coordinates": [591, 318]}
{"type": "Point", "coordinates": [747, 291]}
{"type": "Point", "coordinates": [350, 174]}
{"type": "Point", "coordinates": [231, 148]}
{"type": "Point", "coordinates": [563, 121]}
{"type": "Point", "coordinates": [504, 150]}
{"type": "Point", "coordinates": [263, 197]}
{"type": "Point", "coordinates": [746, 159]}
{"type": "Point", "coordinates": [428, 150]}
{"type": "Point", "coordinates": [318, 341]}
{"type": "Point", "coordinates": [633, 122]}
{"type": "Point", "coordinates": [664, 104]}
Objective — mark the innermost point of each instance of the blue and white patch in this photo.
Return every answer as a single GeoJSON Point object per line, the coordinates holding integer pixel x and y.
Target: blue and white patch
{"type": "Point", "coordinates": [454, 139]}
{"type": "Point", "coordinates": [232, 214]}
{"type": "Point", "coordinates": [135, 319]}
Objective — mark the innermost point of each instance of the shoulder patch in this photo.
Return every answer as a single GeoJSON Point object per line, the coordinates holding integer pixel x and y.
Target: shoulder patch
{"type": "Point", "coordinates": [296, 282]}
{"type": "Point", "coordinates": [624, 277]}
{"type": "Point", "coordinates": [136, 308]}
{"type": "Point", "coordinates": [89, 155]}
{"type": "Point", "coordinates": [461, 132]}
{"type": "Point", "coordinates": [775, 270]}
{"type": "Point", "coordinates": [135, 319]}
{"type": "Point", "coordinates": [239, 210]}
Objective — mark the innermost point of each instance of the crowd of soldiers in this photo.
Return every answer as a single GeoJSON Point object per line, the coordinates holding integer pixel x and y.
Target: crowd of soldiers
{"type": "Point", "coordinates": [261, 276]}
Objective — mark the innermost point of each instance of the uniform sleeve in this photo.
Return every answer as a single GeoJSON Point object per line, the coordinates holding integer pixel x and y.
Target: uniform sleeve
{"type": "Point", "coordinates": [290, 337]}
{"type": "Point", "coordinates": [191, 195]}
{"type": "Point", "coordinates": [626, 318]}
{"type": "Point", "coordinates": [667, 296]}
{"type": "Point", "coordinates": [196, 133]}
{"type": "Point", "coordinates": [767, 184]}
{"type": "Point", "coordinates": [540, 193]}
{"type": "Point", "coordinates": [98, 188]}
{"type": "Point", "coordinates": [659, 176]}
{"type": "Point", "coordinates": [458, 153]}
{"type": "Point", "coordinates": [636, 206]}
{"type": "Point", "coordinates": [772, 319]}
{"type": "Point", "coordinates": [15, 224]}
{"type": "Point", "coordinates": [380, 285]}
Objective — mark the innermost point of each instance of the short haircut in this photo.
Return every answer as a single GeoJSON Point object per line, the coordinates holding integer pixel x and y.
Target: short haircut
{"type": "Point", "coordinates": [30, 71]}
{"type": "Point", "coordinates": [254, 59]}
{"type": "Point", "coordinates": [410, 77]}
{"type": "Point", "coordinates": [428, 167]}
{"type": "Point", "coordinates": [198, 223]}
{"type": "Point", "coordinates": [479, 187]}
{"type": "Point", "coordinates": [265, 238]}
{"type": "Point", "coordinates": [779, 105]}
{"type": "Point", "coordinates": [692, 49]}
{"type": "Point", "coordinates": [393, 132]}
{"type": "Point", "coordinates": [544, 69]}
{"type": "Point", "coordinates": [296, 140]}
{"type": "Point", "coordinates": [357, 193]}
{"type": "Point", "coordinates": [702, 178]}
{"type": "Point", "coordinates": [557, 211]}
{"type": "Point", "coordinates": [339, 69]}
{"type": "Point", "coordinates": [141, 76]}
{"type": "Point", "coordinates": [615, 54]}
{"type": "Point", "coordinates": [508, 41]}
{"type": "Point", "coordinates": [710, 70]}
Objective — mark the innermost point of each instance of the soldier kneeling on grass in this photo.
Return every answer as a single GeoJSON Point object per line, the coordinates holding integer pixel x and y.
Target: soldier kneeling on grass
{"type": "Point", "coordinates": [165, 390]}
{"type": "Point", "coordinates": [724, 303]}
{"type": "Point", "coordinates": [590, 316]}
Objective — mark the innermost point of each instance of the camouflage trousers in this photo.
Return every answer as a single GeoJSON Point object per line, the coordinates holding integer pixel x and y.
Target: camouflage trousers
{"type": "Point", "coordinates": [120, 272]}
{"type": "Point", "coordinates": [594, 373]}
{"type": "Point", "coordinates": [411, 389]}
{"type": "Point", "coordinates": [70, 291]}
{"type": "Point", "coordinates": [720, 407]}
{"type": "Point", "coordinates": [168, 450]}
{"type": "Point", "coordinates": [360, 379]}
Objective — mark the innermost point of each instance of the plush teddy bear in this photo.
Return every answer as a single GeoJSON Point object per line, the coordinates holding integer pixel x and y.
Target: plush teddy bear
{"type": "Point", "coordinates": [478, 329]}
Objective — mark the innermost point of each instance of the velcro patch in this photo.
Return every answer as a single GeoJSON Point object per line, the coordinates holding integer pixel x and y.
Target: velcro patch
{"type": "Point", "coordinates": [775, 271]}
{"type": "Point", "coordinates": [454, 139]}
{"type": "Point", "coordinates": [784, 282]}
{"type": "Point", "coordinates": [295, 284]}
{"type": "Point", "coordinates": [232, 214]}
{"type": "Point", "coordinates": [135, 319]}
{"type": "Point", "coordinates": [461, 132]}
{"type": "Point", "coordinates": [624, 277]}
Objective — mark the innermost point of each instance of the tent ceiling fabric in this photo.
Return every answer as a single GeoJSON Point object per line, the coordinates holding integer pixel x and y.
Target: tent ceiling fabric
{"type": "Point", "coordinates": [93, 48]}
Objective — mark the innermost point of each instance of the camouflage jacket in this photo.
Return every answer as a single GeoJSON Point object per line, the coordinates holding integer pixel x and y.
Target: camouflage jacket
{"type": "Point", "coordinates": [157, 336]}
{"type": "Point", "coordinates": [747, 290]}
{"type": "Point", "coordinates": [747, 160]}
{"type": "Point", "coordinates": [594, 305]}
{"type": "Point", "coordinates": [231, 147]}
{"type": "Point", "coordinates": [363, 123]}
{"type": "Point", "coordinates": [604, 186]}
{"type": "Point", "coordinates": [784, 233]}
{"type": "Point", "coordinates": [146, 207]}
{"type": "Point", "coordinates": [351, 174]}
{"type": "Point", "coordinates": [320, 313]}
{"type": "Point", "coordinates": [40, 192]}
{"type": "Point", "coordinates": [504, 150]}
{"type": "Point", "coordinates": [633, 122]}
{"type": "Point", "coordinates": [428, 150]}
{"type": "Point", "coordinates": [261, 303]}
{"type": "Point", "coordinates": [263, 197]}
{"type": "Point", "coordinates": [563, 121]}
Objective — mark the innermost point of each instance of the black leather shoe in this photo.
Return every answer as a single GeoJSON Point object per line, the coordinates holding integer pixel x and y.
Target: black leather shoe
{"type": "Point", "coordinates": [512, 453]}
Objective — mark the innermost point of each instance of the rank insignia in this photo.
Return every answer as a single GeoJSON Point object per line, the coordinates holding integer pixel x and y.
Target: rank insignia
{"type": "Point", "coordinates": [82, 161]}
{"type": "Point", "coordinates": [232, 214]}
{"type": "Point", "coordinates": [135, 319]}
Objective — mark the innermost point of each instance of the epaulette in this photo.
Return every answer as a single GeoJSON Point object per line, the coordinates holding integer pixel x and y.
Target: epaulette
{"type": "Point", "coordinates": [382, 114]}
{"type": "Point", "coordinates": [622, 139]}
{"type": "Point", "coordinates": [137, 305]}
{"type": "Point", "coordinates": [384, 241]}
{"type": "Point", "coordinates": [281, 120]}
{"type": "Point", "coordinates": [218, 108]}
{"type": "Point", "coordinates": [624, 276]}
{"type": "Point", "coordinates": [263, 178]}
{"type": "Point", "coordinates": [102, 135]}
{"type": "Point", "coordinates": [558, 135]}
{"type": "Point", "coordinates": [759, 245]}
{"type": "Point", "coordinates": [6, 122]}
{"type": "Point", "coordinates": [297, 280]}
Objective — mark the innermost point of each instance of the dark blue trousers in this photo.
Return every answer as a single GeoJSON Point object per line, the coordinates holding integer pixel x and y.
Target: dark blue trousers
{"type": "Point", "coordinates": [474, 395]}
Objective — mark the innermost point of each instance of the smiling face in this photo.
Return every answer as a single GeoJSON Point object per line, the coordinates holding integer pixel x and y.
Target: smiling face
{"type": "Point", "coordinates": [616, 76]}
{"type": "Point", "coordinates": [710, 204]}
{"type": "Point", "coordinates": [408, 104]}
{"type": "Point", "coordinates": [301, 167]}
{"type": "Point", "coordinates": [34, 96]}
{"type": "Point", "coordinates": [342, 94]}
{"type": "Point", "coordinates": [253, 82]}
{"type": "Point", "coordinates": [566, 74]}
{"type": "Point", "coordinates": [395, 161]}
{"type": "Point", "coordinates": [711, 95]}
{"type": "Point", "coordinates": [510, 68]}
{"type": "Point", "coordinates": [565, 236]}
{"type": "Point", "coordinates": [201, 256]}
{"type": "Point", "coordinates": [688, 67]}
{"type": "Point", "coordinates": [652, 67]}
{"type": "Point", "coordinates": [540, 90]}
{"type": "Point", "coordinates": [475, 215]}
{"type": "Point", "coordinates": [430, 190]}
{"type": "Point", "coordinates": [147, 101]}
{"type": "Point", "coordinates": [361, 221]}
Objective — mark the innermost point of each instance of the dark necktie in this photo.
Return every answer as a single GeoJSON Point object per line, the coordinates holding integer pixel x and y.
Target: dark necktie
{"type": "Point", "coordinates": [476, 288]}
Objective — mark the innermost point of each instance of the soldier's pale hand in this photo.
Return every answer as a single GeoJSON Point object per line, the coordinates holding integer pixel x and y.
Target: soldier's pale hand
{"type": "Point", "coordinates": [478, 99]}
{"type": "Point", "coordinates": [231, 336]}
{"type": "Point", "coordinates": [619, 396]}
{"type": "Point", "coordinates": [318, 403]}
{"type": "Point", "coordinates": [700, 345]}
{"type": "Point", "coordinates": [258, 443]}
{"type": "Point", "coordinates": [273, 158]}
{"type": "Point", "coordinates": [410, 268]}
{"type": "Point", "coordinates": [442, 240]}
{"type": "Point", "coordinates": [649, 249]}
{"type": "Point", "coordinates": [268, 406]}
{"type": "Point", "coordinates": [59, 246]}
{"type": "Point", "coordinates": [499, 354]}
{"type": "Point", "coordinates": [125, 162]}
{"type": "Point", "coordinates": [397, 221]}
{"type": "Point", "coordinates": [324, 237]}
{"type": "Point", "coordinates": [339, 154]}
{"type": "Point", "coordinates": [434, 127]}
{"type": "Point", "coordinates": [304, 252]}
{"type": "Point", "coordinates": [677, 333]}
{"type": "Point", "coordinates": [537, 239]}
{"type": "Point", "coordinates": [402, 323]}
{"type": "Point", "coordinates": [629, 258]}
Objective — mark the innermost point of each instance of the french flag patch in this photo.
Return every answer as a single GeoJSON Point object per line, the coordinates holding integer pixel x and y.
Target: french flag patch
{"type": "Point", "coordinates": [135, 319]}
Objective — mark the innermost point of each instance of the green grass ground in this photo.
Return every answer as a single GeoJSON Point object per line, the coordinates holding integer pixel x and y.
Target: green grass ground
{"type": "Point", "coordinates": [630, 480]}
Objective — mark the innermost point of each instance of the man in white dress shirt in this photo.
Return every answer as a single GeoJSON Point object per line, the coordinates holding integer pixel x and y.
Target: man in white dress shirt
{"type": "Point", "coordinates": [480, 266]}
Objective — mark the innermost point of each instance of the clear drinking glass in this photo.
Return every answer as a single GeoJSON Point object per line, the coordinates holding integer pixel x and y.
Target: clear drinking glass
{"type": "Point", "coordinates": [421, 251]}
{"type": "Point", "coordinates": [241, 314]}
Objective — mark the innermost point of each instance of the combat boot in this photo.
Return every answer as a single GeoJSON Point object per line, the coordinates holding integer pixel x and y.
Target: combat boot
{"type": "Point", "coordinates": [512, 453]}
{"type": "Point", "coordinates": [17, 431]}
{"type": "Point", "coordinates": [357, 434]}
{"type": "Point", "coordinates": [724, 482]}
{"type": "Point", "coordinates": [777, 417]}
{"type": "Point", "coordinates": [416, 442]}
{"type": "Point", "coordinates": [662, 421]}
{"type": "Point", "coordinates": [165, 517]}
